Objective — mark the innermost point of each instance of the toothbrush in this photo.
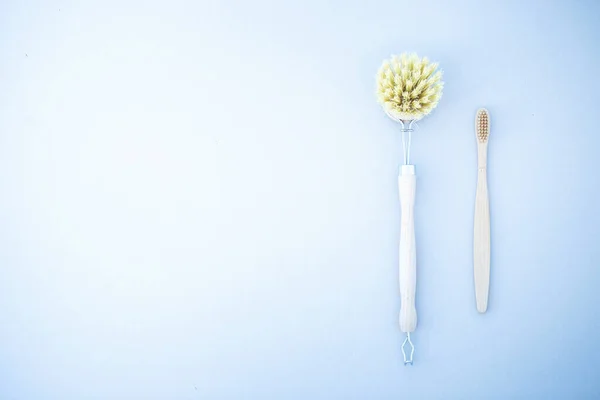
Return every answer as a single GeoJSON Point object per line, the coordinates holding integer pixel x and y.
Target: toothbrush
{"type": "Point", "coordinates": [408, 88]}
{"type": "Point", "coordinates": [481, 237]}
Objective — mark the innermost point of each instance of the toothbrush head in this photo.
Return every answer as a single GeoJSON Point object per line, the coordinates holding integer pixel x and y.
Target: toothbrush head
{"type": "Point", "coordinates": [409, 87]}
{"type": "Point", "coordinates": [482, 125]}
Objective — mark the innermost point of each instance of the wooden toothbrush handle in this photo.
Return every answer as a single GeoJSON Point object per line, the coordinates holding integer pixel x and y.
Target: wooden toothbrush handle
{"type": "Point", "coordinates": [481, 242]}
{"type": "Point", "coordinates": [408, 255]}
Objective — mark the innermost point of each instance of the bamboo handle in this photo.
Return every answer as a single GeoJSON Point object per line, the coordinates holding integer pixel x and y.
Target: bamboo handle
{"type": "Point", "coordinates": [408, 254]}
{"type": "Point", "coordinates": [481, 245]}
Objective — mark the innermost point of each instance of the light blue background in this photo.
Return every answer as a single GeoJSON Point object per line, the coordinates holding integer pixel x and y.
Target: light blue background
{"type": "Point", "coordinates": [199, 201]}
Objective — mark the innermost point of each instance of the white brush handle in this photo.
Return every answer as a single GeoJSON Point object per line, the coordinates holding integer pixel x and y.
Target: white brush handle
{"type": "Point", "coordinates": [481, 244]}
{"type": "Point", "coordinates": [408, 255]}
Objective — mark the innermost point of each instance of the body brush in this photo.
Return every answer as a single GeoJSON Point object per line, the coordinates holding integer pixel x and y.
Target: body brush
{"type": "Point", "coordinates": [408, 88]}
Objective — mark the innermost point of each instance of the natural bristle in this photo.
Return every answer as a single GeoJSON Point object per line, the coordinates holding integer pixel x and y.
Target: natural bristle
{"type": "Point", "coordinates": [482, 125]}
{"type": "Point", "coordinates": [409, 87]}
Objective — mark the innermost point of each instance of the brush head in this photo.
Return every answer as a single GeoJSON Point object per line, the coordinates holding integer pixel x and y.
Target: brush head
{"type": "Point", "coordinates": [482, 125]}
{"type": "Point", "coordinates": [409, 87]}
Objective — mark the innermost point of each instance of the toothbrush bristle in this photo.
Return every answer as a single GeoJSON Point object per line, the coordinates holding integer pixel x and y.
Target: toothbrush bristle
{"type": "Point", "coordinates": [483, 125]}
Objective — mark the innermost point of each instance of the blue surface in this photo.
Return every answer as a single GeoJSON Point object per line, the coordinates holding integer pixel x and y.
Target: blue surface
{"type": "Point", "coordinates": [199, 201]}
